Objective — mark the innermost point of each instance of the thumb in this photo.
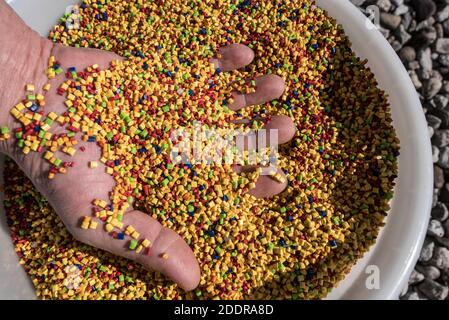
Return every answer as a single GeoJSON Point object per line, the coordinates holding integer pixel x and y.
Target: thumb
{"type": "Point", "coordinates": [167, 253]}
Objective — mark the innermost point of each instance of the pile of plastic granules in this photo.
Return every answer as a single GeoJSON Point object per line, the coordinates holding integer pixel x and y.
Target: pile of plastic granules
{"type": "Point", "coordinates": [340, 166]}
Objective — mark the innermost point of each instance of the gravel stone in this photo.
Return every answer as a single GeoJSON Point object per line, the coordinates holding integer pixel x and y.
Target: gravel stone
{"type": "Point", "coordinates": [442, 14]}
{"type": "Point", "coordinates": [440, 212]}
{"type": "Point", "coordinates": [440, 258]}
{"type": "Point", "coordinates": [445, 278]}
{"type": "Point", "coordinates": [443, 59]}
{"type": "Point", "coordinates": [412, 295]}
{"type": "Point", "coordinates": [435, 154]}
{"type": "Point", "coordinates": [446, 86]}
{"type": "Point", "coordinates": [442, 45]}
{"type": "Point", "coordinates": [443, 160]}
{"type": "Point", "coordinates": [433, 121]}
{"type": "Point", "coordinates": [438, 177]}
{"type": "Point", "coordinates": [445, 26]}
{"type": "Point", "coordinates": [435, 229]}
{"type": "Point", "coordinates": [443, 242]}
{"type": "Point", "coordinates": [425, 60]}
{"type": "Point", "coordinates": [414, 65]}
{"type": "Point", "coordinates": [432, 87]}
{"type": "Point", "coordinates": [402, 9]}
{"type": "Point", "coordinates": [429, 272]}
{"type": "Point", "coordinates": [427, 36]}
{"type": "Point", "coordinates": [440, 30]}
{"type": "Point", "coordinates": [441, 138]}
{"type": "Point", "coordinates": [390, 21]}
{"type": "Point", "coordinates": [444, 193]}
{"type": "Point", "coordinates": [427, 251]}
{"type": "Point", "coordinates": [446, 226]}
{"type": "Point", "coordinates": [415, 79]}
{"type": "Point", "coordinates": [433, 290]}
{"type": "Point", "coordinates": [384, 5]}
{"type": "Point", "coordinates": [435, 197]}
{"type": "Point", "coordinates": [358, 2]}
{"type": "Point", "coordinates": [407, 54]}
{"type": "Point", "coordinates": [402, 35]}
{"type": "Point", "coordinates": [415, 277]}
{"type": "Point", "coordinates": [443, 115]}
{"type": "Point", "coordinates": [407, 20]}
{"type": "Point", "coordinates": [424, 8]}
{"type": "Point", "coordinates": [440, 101]}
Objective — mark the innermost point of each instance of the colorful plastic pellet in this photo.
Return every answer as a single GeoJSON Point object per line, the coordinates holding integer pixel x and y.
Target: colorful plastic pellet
{"type": "Point", "coordinates": [86, 223]}
{"type": "Point", "coordinates": [132, 244]}
{"type": "Point", "coordinates": [93, 164]}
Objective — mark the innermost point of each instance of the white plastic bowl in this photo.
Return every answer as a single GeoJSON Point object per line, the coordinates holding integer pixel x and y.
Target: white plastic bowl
{"type": "Point", "coordinates": [399, 242]}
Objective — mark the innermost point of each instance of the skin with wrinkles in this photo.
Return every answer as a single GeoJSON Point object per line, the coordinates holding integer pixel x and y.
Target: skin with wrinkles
{"type": "Point", "coordinates": [23, 59]}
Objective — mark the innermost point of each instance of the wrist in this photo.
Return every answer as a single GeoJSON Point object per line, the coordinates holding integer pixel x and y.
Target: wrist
{"type": "Point", "coordinates": [23, 60]}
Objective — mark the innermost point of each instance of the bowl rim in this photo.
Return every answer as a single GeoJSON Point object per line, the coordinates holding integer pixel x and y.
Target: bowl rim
{"type": "Point", "coordinates": [416, 156]}
{"type": "Point", "coordinates": [392, 279]}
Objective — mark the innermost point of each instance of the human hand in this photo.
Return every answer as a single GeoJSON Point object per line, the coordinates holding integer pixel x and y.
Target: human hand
{"type": "Point", "coordinates": [71, 194]}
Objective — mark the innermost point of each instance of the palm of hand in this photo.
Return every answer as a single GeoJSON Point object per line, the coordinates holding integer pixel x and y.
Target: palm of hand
{"type": "Point", "coordinates": [71, 194]}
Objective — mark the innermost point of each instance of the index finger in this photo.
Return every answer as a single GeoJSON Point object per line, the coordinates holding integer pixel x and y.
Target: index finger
{"type": "Point", "coordinates": [233, 57]}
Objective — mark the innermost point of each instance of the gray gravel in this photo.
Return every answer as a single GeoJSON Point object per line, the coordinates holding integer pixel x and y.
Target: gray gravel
{"type": "Point", "coordinates": [419, 32]}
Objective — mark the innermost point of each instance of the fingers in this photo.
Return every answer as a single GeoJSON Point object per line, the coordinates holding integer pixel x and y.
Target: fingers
{"type": "Point", "coordinates": [278, 130]}
{"type": "Point", "coordinates": [267, 187]}
{"type": "Point", "coordinates": [285, 127]}
{"type": "Point", "coordinates": [81, 58]}
{"type": "Point", "coordinates": [168, 253]}
{"type": "Point", "coordinates": [268, 87]}
{"type": "Point", "coordinates": [285, 130]}
{"type": "Point", "coordinates": [233, 57]}
{"type": "Point", "coordinates": [180, 264]}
